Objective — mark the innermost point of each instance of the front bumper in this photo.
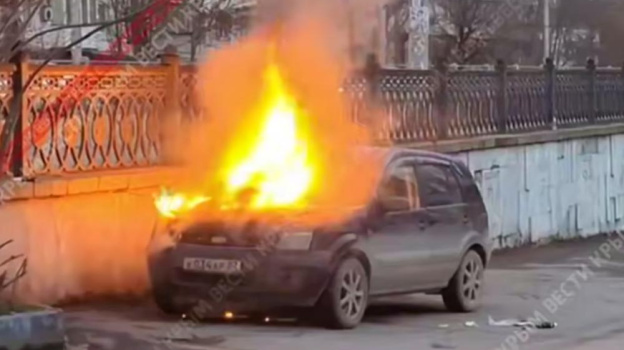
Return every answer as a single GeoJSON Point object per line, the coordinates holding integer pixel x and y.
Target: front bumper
{"type": "Point", "coordinates": [269, 279]}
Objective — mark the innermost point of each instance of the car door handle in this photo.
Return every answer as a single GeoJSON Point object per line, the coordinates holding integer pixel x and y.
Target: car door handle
{"type": "Point", "coordinates": [465, 219]}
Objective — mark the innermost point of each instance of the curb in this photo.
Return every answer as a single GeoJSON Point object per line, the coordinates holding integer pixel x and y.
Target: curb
{"type": "Point", "coordinates": [41, 329]}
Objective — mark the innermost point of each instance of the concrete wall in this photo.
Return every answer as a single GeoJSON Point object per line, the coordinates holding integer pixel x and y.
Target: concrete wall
{"type": "Point", "coordinates": [560, 189]}
{"type": "Point", "coordinates": [82, 235]}
{"type": "Point", "coordinates": [79, 245]}
{"type": "Point", "coordinates": [549, 185]}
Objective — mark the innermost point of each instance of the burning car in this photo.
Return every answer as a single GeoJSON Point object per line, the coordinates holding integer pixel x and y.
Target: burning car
{"type": "Point", "coordinates": [425, 230]}
{"type": "Point", "coordinates": [292, 210]}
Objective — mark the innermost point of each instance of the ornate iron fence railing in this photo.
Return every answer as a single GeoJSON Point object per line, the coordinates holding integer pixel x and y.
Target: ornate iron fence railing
{"type": "Point", "coordinates": [108, 120]}
{"type": "Point", "coordinates": [77, 118]}
{"type": "Point", "coordinates": [452, 103]}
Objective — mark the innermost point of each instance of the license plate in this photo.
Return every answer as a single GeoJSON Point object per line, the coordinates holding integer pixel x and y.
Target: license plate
{"type": "Point", "coordinates": [211, 265]}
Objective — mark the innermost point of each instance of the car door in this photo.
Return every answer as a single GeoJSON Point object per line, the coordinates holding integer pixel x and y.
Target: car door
{"type": "Point", "coordinates": [395, 249]}
{"type": "Point", "coordinates": [441, 197]}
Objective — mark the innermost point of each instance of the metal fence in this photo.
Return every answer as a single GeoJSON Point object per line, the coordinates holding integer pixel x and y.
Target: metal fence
{"type": "Point", "coordinates": [448, 104]}
{"type": "Point", "coordinates": [82, 118]}
{"type": "Point", "coordinates": [77, 118]}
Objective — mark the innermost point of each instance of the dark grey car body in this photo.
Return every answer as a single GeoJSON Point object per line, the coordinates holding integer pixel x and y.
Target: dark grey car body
{"type": "Point", "coordinates": [414, 249]}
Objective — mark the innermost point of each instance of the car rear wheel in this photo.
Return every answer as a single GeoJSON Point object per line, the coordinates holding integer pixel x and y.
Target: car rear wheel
{"type": "Point", "coordinates": [465, 289]}
{"type": "Point", "coordinates": [344, 302]}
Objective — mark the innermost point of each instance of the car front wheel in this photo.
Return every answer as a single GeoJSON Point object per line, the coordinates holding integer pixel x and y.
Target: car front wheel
{"type": "Point", "coordinates": [465, 289]}
{"type": "Point", "coordinates": [164, 301]}
{"type": "Point", "coordinates": [344, 302]}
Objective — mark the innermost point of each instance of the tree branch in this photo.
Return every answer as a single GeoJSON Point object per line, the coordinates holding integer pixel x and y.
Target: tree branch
{"type": "Point", "coordinates": [6, 243]}
{"type": "Point", "coordinates": [18, 36]}
{"type": "Point", "coordinates": [21, 272]}
{"type": "Point", "coordinates": [11, 258]}
{"type": "Point", "coordinates": [11, 120]}
{"type": "Point", "coordinates": [14, 16]}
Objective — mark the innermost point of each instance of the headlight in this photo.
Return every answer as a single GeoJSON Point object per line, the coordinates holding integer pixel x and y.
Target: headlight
{"type": "Point", "coordinates": [295, 241]}
{"type": "Point", "coordinates": [165, 234]}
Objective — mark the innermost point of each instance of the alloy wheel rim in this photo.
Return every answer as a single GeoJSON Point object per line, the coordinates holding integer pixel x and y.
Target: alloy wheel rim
{"type": "Point", "coordinates": [352, 294]}
{"type": "Point", "coordinates": [472, 281]}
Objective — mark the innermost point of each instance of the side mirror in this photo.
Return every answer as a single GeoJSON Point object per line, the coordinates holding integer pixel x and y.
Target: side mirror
{"type": "Point", "coordinates": [372, 216]}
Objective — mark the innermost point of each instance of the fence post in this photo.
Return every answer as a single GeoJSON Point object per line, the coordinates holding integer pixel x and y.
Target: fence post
{"type": "Point", "coordinates": [591, 74]}
{"type": "Point", "coordinates": [441, 101]}
{"type": "Point", "coordinates": [171, 59]}
{"type": "Point", "coordinates": [173, 117]}
{"type": "Point", "coordinates": [551, 80]}
{"type": "Point", "coordinates": [372, 99]}
{"type": "Point", "coordinates": [503, 96]}
{"type": "Point", "coordinates": [372, 73]}
{"type": "Point", "coordinates": [15, 151]}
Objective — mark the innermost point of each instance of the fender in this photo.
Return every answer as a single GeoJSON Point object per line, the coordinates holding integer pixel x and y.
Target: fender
{"type": "Point", "coordinates": [341, 247]}
{"type": "Point", "coordinates": [344, 241]}
{"type": "Point", "coordinates": [475, 238]}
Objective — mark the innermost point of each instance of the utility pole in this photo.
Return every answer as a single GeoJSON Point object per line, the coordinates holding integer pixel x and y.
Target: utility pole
{"type": "Point", "coordinates": [382, 20]}
{"type": "Point", "coordinates": [419, 30]}
{"type": "Point", "coordinates": [546, 4]}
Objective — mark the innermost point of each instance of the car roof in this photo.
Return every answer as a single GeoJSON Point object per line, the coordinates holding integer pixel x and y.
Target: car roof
{"type": "Point", "coordinates": [390, 153]}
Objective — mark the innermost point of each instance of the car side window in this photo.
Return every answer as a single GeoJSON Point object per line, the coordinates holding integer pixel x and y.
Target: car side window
{"type": "Point", "coordinates": [399, 190]}
{"type": "Point", "coordinates": [438, 185]}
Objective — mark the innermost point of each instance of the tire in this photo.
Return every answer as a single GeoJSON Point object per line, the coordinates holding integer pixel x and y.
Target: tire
{"type": "Point", "coordinates": [344, 302]}
{"type": "Point", "coordinates": [164, 301]}
{"type": "Point", "coordinates": [465, 290]}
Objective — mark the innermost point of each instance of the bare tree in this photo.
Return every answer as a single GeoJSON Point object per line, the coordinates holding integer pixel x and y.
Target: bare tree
{"type": "Point", "coordinates": [582, 29]}
{"type": "Point", "coordinates": [10, 276]}
{"type": "Point", "coordinates": [518, 40]}
{"type": "Point", "coordinates": [571, 32]}
{"type": "Point", "coordinates": [463, 31]}
{"type": "Point", "coordinates": [16, 16]}
{"type": "Point", "coordinates": [610, 32]}
{"type": "Point", "coordinates": [463, 27]}
{"type": "Point", "coordinates": [214, 20]}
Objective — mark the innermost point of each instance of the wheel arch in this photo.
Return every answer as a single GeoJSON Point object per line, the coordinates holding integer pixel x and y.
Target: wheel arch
{"type": "Point", "coordinates": [345, 251]}
{"type": "Point", "coordinates": [479, 249]}
{"type": "Point", "coordinates": [346, 246]}
{"type": "Point", "coordinates": [361, 256]}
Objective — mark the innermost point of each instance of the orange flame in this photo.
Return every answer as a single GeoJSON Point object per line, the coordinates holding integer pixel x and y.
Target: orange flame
{"type": "Point", "coordinates": [171, 204]}
{"type": "Point", "coordinates": [275, 170]}
{"type": "Point", "coordinates": [278, 168]}
{"type": "Point", "coordinates": [276, 139]}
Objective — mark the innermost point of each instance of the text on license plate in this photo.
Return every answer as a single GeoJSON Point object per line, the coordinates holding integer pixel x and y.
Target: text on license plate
{"type": "Point", "coordinates": [211, 265]}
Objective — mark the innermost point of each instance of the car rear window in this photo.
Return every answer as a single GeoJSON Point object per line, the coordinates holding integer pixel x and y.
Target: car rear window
{"type": "Point", "coordinates": [438, 185]}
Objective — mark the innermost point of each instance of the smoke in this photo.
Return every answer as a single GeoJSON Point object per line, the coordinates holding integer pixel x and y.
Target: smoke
{"type": "Point", "coordinates": [311, 49]}
{"type": "Point", "coordinates": [352, 25]}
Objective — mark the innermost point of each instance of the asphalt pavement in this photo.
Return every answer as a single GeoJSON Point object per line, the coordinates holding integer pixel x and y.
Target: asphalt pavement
{"type": "Point", "coordinates": [577, 284]}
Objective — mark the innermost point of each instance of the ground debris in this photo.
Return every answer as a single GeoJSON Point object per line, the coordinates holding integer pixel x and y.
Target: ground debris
{"type": "Point", "coordinates": [521, 323]}
{"type": "Point", "coordinates": [471, 324]}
